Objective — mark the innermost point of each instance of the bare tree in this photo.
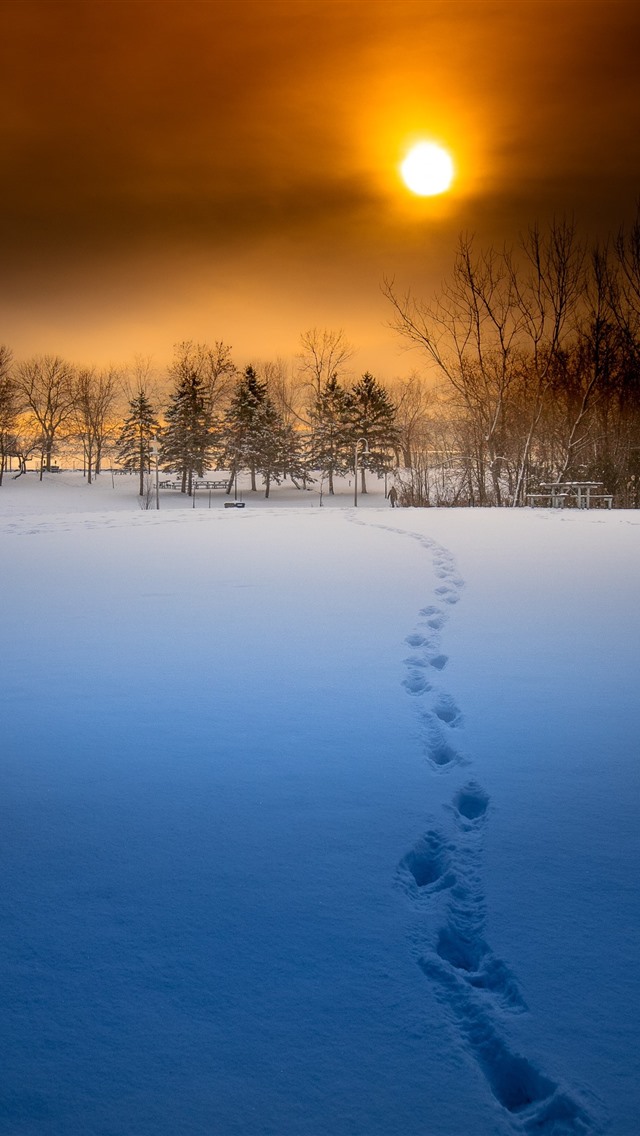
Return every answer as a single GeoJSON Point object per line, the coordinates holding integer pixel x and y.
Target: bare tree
{"type": "Point", "coordinates": [414, 402]}
{"type": "Point", "coordinates": [322, 355]}
{"type": "Point", "coordinates": [24, 443]}
{"type": "Point", "coordinates": [470, 331]}
{"type": "Point", "coordinates": [45, 386]}
{"type": "Point", "coordinates": [94, 393]}
{"type": "Point", "coordinates": [496, 332]}
{"type": "Point", "coordinates": [625, 284]}
{"type": "Point", "coordinates": [283, 390]}
{"type": "Point", "coordinates": [549, 292]}
{"type": "Point", "coordinates": [9, 407]}
{"type": "Point", "coordinates": [213, 367]}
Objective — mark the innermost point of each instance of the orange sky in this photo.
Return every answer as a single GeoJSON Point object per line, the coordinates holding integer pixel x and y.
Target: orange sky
{"type": "Point", "coordinates": [228, 170]}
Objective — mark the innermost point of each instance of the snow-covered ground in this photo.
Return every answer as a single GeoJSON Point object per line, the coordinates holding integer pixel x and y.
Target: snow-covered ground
{"type": "Point", "coordinates": [317, 822]}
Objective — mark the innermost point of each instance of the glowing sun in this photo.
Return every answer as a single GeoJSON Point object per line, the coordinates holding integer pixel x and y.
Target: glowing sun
{"type": "Point", "coordinates": [427, 169]}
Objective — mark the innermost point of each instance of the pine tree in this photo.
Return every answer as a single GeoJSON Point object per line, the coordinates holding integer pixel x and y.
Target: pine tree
{"type": "Point", "coordinates": [244, 426]}
{"type": "Point", "coordinates": [372, 416]}
{"type": "Point", "coordinates": [331, 431]}
{"type": "Point", "coordinates": [133, 445]}
{"type": "Point", "coordinates": [281, 450]}
{"type": "Point", "coordinates": [257, 438]}
{"type": "Point", "coordinates": [187, 437]}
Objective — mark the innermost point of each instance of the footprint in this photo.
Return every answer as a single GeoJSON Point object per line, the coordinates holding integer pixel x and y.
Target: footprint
{"type": "Point", "coordinates": [469, 955]}
{"type": "Point", "coordinates": [416, 683]}
{"type": "Point", "coordinates": [439, 661]}
{"type": "Point", "coordinates": [447, 594]}
{"type": "Point", "coordinates": [537, 1103]}
{"type": "Point", "coordinates": [438, 751]}
{"type": "Point", "coordinates": [416, 640]}
{"type": "Point", "coordinates": [447, 711]}
{"type": "Point", "coordinates": [431, 610]}
{"type": "Point", "coordinates": [471, 803]}
{"type": "Point", "coordinates": [429, 863]}
{"type": "Point", "coordinates": [437, 622]}
{"type": "Point", "coordinates": [441, 754]}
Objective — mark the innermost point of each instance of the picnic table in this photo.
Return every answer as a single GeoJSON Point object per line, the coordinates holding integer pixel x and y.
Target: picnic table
{"type": "Point", "coordinates": [557, 492]}
{"type": "Point", "coordinates": [197, 484]}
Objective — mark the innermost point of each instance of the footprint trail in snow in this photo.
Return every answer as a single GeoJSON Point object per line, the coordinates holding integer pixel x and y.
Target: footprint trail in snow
{"type": "Point", "coordinates": [442, 876]}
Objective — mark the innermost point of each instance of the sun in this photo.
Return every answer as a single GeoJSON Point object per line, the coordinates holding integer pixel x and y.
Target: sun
{"type": "Point", "coordinates": [427, 169]}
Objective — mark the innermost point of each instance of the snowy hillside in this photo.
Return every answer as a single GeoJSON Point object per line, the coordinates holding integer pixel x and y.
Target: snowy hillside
{"type": "Point", "coordinates": [317, 822]}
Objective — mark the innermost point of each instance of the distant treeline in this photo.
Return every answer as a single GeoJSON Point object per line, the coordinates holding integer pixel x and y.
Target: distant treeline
{"type": "Point", "coordinates": [533, 376]}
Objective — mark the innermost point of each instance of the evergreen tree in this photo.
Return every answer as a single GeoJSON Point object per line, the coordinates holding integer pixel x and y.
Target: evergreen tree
{"type": "Point", "coordinates": [281, 450]}
{"type": "Point", "coordinates": [187, 437]}
{"type": "Point", "coordinates": [245, 426]}
{"type": "Point", "coordinates": [257, 438]}
{"type": "Point", "coordinates": [372, 416]}
{"type": "Point", "coordinates": [133, 445]}
{"type": "Point", "coordinates": [331, 431]}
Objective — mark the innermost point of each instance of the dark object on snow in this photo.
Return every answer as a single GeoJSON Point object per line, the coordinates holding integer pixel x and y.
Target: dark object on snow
{"type": "Point", "coordinates": [234, 504]}
{"type": "Point", "coordinates": [393, 496]}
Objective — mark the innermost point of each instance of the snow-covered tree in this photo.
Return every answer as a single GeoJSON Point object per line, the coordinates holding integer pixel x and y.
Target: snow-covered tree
{"type": "Point", "coordinates": [331, 430]}
{"type": "Point", "coordinates": [187, 437]}
{"type": "Point", "coordinates": [256, 437]}
{"type": "Point", "coordinates": [134, 444]}
{"type": "Point", "coordinates": [281, 452]}
{"type": "Point", "coordinates": [372, 416]}
{"type": "Point", "coordinates": [244, 426]}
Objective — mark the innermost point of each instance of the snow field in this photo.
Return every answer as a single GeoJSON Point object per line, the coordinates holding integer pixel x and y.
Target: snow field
{"type": "Point", "coordinates": [319, 827]}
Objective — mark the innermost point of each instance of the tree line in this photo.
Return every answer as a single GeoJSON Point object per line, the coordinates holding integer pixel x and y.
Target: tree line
{"type": "Point", "coordinates": [212, 417]}
{"type": "Point", "coordinates": [530, 374]}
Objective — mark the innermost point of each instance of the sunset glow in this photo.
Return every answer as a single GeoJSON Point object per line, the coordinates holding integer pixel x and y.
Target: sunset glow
{"type": "Point", "coordinates": [269, 192]}
{"type": "Point", "coordinates": [427, 170]}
